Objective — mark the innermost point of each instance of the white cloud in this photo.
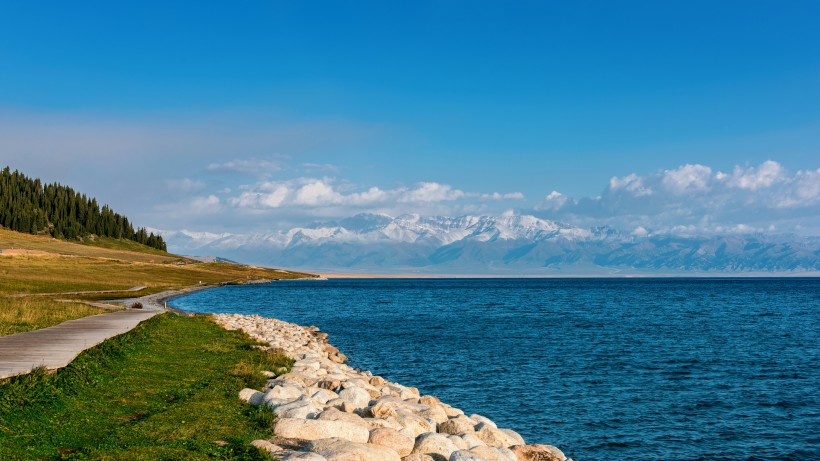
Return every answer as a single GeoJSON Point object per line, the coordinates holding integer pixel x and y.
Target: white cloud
{"type": "Point", "coordinates": [499, 196]}
{"type": "Point", "coordinates": [687, 178]}
{"type": "Point", "coordinates": [632, 183]}
{"type": "Point", "coordinates": [768, 173]}
{"type": "Point", "coordinates": [553, 201]}
{"type": "Point", "coordinates": [306, 193]}
{"type": "Point", "coordinates": [691, 199]}
{"type": "Point", "coordinates": [205, 203]}
{"type": "Point", "coordinates": [640, 231]}
{"type": "Point", "coordinates": [317, 193]}
{"type": "Point", "coordinates": [431, 192]}
{"type": "Point", "coordinates": [803, 190]}
{"type": "Point", "coordinates": [276, 196]}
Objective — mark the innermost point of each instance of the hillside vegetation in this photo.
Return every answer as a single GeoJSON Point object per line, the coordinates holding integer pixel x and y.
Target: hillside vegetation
{"type": "Point", "coordinates": [39, 265]}
{"type": "Point", "coordinates": [27, 205]}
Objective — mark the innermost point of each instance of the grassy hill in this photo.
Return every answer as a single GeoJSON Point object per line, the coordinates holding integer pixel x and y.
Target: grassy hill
{"type": "Point", "coordinates": [166, 389]}
{"type": "Point", "coordinates": [47, 267]}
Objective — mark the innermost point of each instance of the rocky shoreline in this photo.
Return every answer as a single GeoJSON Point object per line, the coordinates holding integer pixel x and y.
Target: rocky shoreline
{"type": "Point", "coordinates": [329, 411]}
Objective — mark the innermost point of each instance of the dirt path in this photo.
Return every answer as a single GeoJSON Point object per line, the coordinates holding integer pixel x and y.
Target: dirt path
{"type": "Point", "coordinates": [23, 295]}
{"type": "Point", "coordinates": [56, 346]}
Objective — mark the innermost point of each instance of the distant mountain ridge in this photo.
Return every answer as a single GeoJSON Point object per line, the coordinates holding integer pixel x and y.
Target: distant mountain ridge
{"type": "Point", "coordinates": [500, 245]}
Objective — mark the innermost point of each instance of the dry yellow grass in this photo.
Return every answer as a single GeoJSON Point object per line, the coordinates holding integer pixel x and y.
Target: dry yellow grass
{"type": "Point", "coordinates": [55, 274]}
{"type": "Point", "coordinates": [25, 314]}
{"type": "Point", "coordinates": [56, 266]}
{"type": "Point", "coordinates": [125, 250]}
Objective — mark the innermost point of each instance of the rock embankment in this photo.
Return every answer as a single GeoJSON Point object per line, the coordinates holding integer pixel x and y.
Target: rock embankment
{"type": "Point", "coordinates": [329, 411]}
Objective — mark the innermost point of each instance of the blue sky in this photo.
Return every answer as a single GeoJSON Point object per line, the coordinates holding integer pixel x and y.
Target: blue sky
{"type": "Point", "coordinates": [175, 113]}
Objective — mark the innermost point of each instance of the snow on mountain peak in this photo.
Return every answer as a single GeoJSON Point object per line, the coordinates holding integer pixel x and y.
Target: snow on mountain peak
{"type": "Point", "coordinates": [507, 244]}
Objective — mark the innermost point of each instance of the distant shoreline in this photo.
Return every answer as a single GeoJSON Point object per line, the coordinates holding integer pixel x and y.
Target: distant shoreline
{"type": "Point", "coordinates": [347, 275]}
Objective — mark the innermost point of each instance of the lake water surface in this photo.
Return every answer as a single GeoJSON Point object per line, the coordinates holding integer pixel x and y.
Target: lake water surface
{"type": "Point", "coordinates": [628, 369]}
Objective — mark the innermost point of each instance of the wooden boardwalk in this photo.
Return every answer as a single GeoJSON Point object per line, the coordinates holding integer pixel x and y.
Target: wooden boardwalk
{"type": "Point", "coordinates": [56, 346]}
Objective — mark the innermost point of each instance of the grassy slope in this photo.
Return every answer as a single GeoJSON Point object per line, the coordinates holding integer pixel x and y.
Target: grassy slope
{"type": "Point", "coordinates": [26, 314]}
{"type": "Point", "coordinates": [105, 264]}
{"type": "Point", "coordinates": [166, 390]}
{"type": "Point", "coordinates": [99, 248]}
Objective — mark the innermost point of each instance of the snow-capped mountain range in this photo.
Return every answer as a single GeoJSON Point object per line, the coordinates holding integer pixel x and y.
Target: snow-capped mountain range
{"type": "Point", "coordinates": [499, 245]}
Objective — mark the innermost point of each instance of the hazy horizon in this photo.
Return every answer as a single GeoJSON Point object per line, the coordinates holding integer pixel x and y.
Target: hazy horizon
{"type": "Point", "coordinates": [683, 120]}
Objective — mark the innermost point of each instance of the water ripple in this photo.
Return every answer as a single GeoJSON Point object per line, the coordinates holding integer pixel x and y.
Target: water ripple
{"type": "Point", "coordinates": [671, 369]}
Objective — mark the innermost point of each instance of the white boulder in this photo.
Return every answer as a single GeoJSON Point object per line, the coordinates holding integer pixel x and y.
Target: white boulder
{"type": "Point", "coordinates": [335, 449]}
{"type": "Point", "coordinates": [316, 429]}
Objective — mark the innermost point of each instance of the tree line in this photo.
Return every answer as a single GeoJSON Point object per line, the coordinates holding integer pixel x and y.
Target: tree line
{"type": "Point", "coordinates": [27, 205]}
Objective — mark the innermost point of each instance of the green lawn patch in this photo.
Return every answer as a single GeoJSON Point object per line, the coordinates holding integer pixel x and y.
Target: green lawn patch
{"type": "Point", "coordinates": [166, 390]}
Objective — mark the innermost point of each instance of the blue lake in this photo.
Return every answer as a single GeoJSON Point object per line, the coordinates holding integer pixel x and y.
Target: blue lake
{"type": "Point", "coordinates": [633, 369]}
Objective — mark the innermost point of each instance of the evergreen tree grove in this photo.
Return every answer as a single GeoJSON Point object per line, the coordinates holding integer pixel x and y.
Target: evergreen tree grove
{"type": "Point", "coordinates": [26, 205]}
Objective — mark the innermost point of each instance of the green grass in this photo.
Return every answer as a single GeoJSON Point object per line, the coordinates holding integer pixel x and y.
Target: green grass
{"type": "Point", "coordinates": [166, 390]}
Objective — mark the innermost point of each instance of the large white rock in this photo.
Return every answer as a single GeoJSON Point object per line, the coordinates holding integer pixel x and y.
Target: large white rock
{"type": "Point", "coordinates": [377, 381]}
{"type": "Point", "coordinates": [472, 440]}
{"type": "Point", "coordinates": [304, 408]}
{"type": "Point", "coordinates": [465, 455]}
{"type": "Point", "coordinates": [451, 412]}
{"type": "Point", "coordinates": [458, 442]}
{"type": "Point", "coordinates": [357, 396]}
{"type": "Point", "coordinates": [494, 437]}
{"type": "Point", "coordinates": [308, 364]}
{"type": "Point", "coordinates": [390, 421]}
{"type": "Point", "coordinates": [335, 449]}
{"type": "Point", "coordinates": [393, 439]}
{"type": "Point", "coordinates": [538, 452]}
{"type": "Point", "coordinates": [436, 413]}
{"type": "Point", "coordinates": [514, 436]}
{"type": "Point", "coordinates": [323, 395]}
{"type": "Point", "coordinates": [266, 445]}
{"type": "Point", "coordinates": [494, 453]}
{"type": "Point", "coordinates": [316, 429]}
{"type": "Point", "coordinates": [481, 419]}
{"type": "Point", "coordinates": [300, 456]}
{"type": "Point", "coordinates": [415, 424]}
{"type": "Point", "coordinates": [301, 378]}
{"type": "Point", "coordinates": [360, 383]}
{"type": "Point", "coordinates": [333, 414]}
{"type": "Point", "coordinates": [389, 406]}
{"type": "Point", "coordinates": [252, 396]}
{"type": "Point", "coordinates": [434, 444]}
{"type": "Point", "coordinates": [458, 425]}
{"type": "Point", "coordinates": [285, 392]}
{"type": "Point", "coordinates": [341, 404]}
{"type": "Point", "coordinates": [409, 393]}
{"type": "Point", "coordinates": [418, 457]}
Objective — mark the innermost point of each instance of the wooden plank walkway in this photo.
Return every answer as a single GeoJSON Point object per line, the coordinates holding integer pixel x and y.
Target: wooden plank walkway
{"type": "Point", "coordinates": [54, 347]}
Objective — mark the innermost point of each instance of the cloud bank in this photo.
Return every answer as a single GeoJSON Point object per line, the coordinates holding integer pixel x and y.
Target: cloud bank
{"type": "Point", "coordinates": [697, 199]}
{"type": "Point", "coordinates": [319, 193]}
{"type": "Point", "coordinates": [225, 171]}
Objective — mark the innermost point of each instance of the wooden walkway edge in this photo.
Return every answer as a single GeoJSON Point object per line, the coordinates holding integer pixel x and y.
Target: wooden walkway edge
{"type": "Point", "coordinates": [54, 347]}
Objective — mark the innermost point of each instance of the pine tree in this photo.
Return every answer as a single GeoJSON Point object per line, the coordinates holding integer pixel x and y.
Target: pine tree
{"type": "Point", "coordinates": [27, 205]}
